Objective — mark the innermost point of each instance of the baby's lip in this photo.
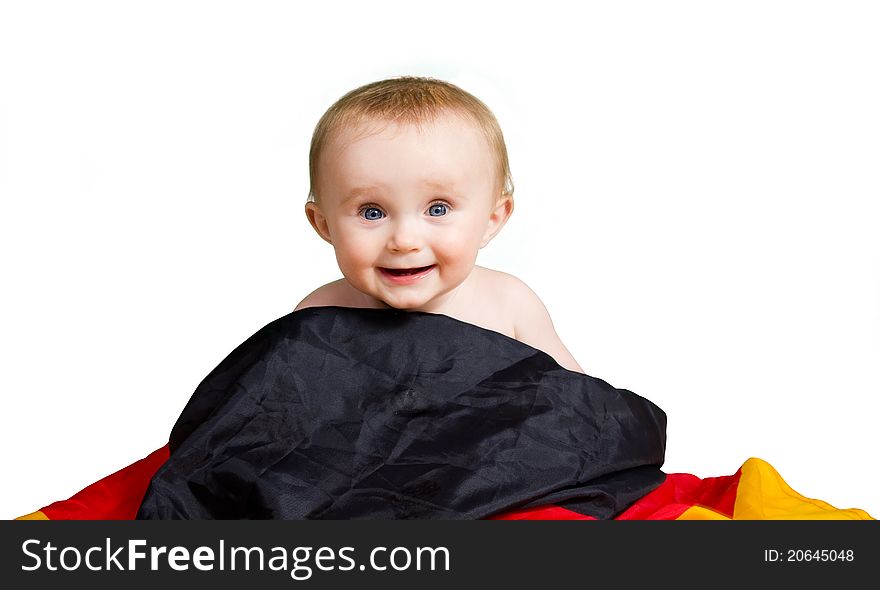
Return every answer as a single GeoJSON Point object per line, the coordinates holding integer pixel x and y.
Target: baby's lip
{"type": "Point", "coordinates": [409, 268]}
{"type": "Point", "coordinates": [406, 275]}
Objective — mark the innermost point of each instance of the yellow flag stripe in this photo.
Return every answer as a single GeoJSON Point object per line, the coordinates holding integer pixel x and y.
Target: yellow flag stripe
{"type": "Point", "coordinates": [38, 515]}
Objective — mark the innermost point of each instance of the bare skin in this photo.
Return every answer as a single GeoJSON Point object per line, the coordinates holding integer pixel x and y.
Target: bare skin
{"type": "Point", "coordinates": [488, 298]}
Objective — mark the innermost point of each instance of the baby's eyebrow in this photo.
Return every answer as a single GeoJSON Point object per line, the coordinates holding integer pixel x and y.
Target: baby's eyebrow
{"type": "Point", "coordinates": [363, 191]}
{"type": "Point", "coordinates": [359, 191]}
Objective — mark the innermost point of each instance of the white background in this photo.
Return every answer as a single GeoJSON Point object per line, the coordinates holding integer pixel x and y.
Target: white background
{"type": "Point", "coordinates": [697, 203]}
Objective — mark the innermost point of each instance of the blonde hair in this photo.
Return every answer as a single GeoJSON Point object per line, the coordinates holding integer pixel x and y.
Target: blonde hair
{"type": "Point", "coordinates": [411, 100]}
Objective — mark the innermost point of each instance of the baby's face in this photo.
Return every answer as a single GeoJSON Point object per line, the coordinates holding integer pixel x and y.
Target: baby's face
{"type": "Point", "coordinates": [407, 209]}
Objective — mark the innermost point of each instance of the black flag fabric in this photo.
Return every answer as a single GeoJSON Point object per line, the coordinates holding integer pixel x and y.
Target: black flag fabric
{"type": "Point", "coordinates": [344, 413]}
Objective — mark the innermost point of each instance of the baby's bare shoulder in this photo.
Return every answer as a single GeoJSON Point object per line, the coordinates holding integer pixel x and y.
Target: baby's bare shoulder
{"type": "Point", "coordinates": [531, 320]}
{"type": "Point", "coordinates": [504, 287]}
{"type": "Point", "coordinates": [529, 313]}
{"type": "Point", "coordinates": [491, 277]}
{"type": "Point", "coordinates": [499, 296]}
{"type": "Point", "coordinates": [330, 294]}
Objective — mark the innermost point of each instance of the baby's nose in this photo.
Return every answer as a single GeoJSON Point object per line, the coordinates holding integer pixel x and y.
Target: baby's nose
{"type": "Point", "coordinates": [405, 237]}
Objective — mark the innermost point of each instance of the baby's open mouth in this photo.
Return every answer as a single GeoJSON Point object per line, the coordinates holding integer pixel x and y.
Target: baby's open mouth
{"type": "Point", "coordinates": [402, 272]}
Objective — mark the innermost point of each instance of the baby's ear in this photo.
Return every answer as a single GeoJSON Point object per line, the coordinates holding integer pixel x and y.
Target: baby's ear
{"type": "Point", "coordinates": [318, 221]}
{"type": "Point", "coordinates": [497, 218]}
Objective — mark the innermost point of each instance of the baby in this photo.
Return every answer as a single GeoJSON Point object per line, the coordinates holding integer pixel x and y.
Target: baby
{"type": "Point", "coordinates": [409, 180]}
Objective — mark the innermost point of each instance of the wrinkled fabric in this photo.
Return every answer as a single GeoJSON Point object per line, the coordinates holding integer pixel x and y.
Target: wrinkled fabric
{"type": "Point", "coordinates": [343, 413]}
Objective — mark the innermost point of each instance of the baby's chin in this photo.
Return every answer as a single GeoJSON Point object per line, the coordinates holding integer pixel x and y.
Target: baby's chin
{"type": "Point", "coordinates": [377, 297]}
{"type": "Point", "coordinates": [402, 305]}
{"type": "Point", "coordinates": [374, 300]}
{"type": "Point", "coordinates": [405, 304]}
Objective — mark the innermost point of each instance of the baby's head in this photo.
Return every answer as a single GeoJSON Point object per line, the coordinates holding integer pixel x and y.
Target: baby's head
{"type": "Point", "coordinates": [408, 173]}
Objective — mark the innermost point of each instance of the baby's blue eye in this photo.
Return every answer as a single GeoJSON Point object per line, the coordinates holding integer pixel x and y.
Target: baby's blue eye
{"type": "Point", "coordinates": [437, 210]}
{"type": "Point", "coordinates": [372, 213]}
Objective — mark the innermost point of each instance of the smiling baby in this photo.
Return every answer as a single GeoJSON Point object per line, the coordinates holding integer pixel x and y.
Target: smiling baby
{"type": "Point", "coordinates": [409, 180]}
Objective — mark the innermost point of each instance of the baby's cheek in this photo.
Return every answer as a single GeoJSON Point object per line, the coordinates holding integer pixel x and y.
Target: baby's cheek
{"type": "Point", "coordinates": [352, 253]}
{"type": "Point", "coordinates": [349, 263]}
{"type": "Point", "coordinates": [458, 258]}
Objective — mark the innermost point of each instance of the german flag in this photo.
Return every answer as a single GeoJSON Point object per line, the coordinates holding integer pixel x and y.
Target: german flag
{"type": "Point", "coordinates": [755, 492]}
{"type": "Point", "coordinates": [340, 413]}
{"type": "Point", "coordinates": [115, 497]}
